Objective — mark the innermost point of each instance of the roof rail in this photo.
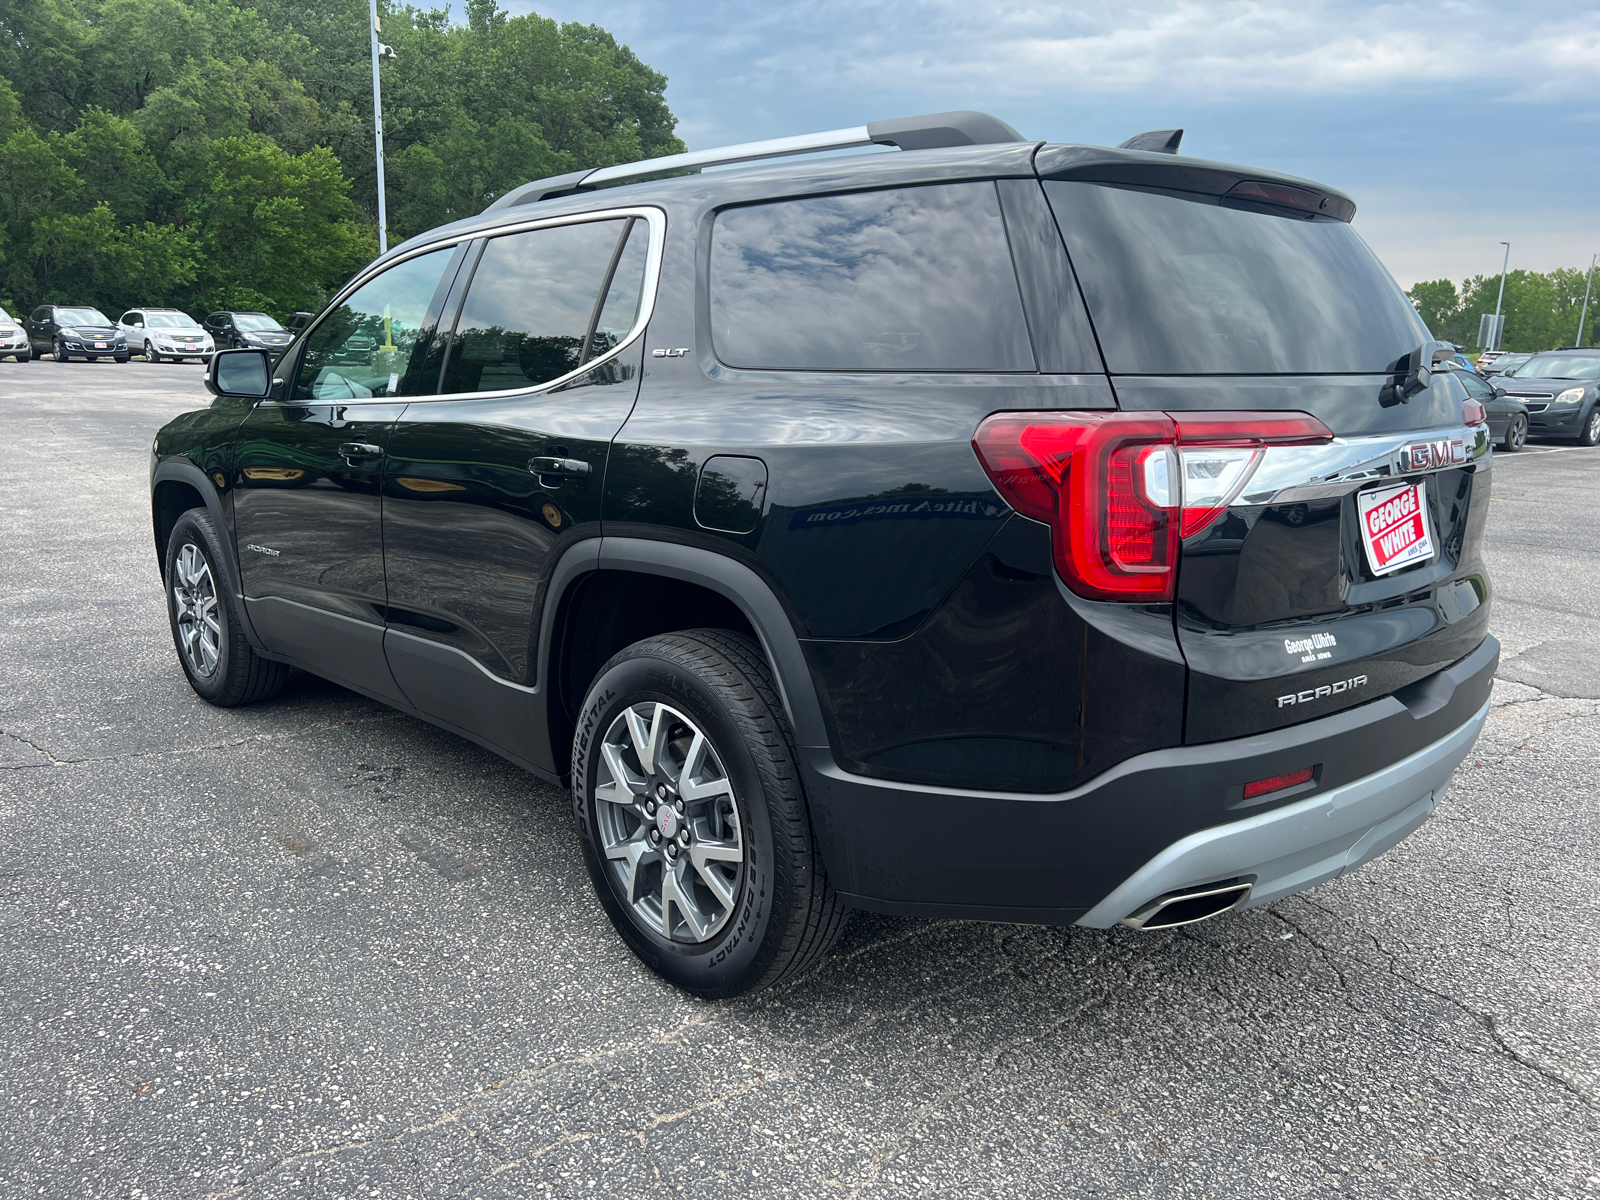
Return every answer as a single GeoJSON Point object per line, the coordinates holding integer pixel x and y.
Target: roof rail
{"type": "Point", "coordinates": [908, 133]}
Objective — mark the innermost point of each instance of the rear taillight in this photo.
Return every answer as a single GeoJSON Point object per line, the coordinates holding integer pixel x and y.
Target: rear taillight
{"type": "Point", "coordinates": [1119, 489]}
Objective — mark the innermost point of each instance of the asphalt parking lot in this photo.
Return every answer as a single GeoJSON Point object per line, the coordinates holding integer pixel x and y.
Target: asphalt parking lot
{"type": "Point", "coordinates": [317, 948]}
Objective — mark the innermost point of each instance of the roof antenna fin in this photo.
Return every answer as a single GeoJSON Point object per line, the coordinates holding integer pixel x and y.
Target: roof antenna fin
{"type": "Point", "coordinates": [1157, 141]}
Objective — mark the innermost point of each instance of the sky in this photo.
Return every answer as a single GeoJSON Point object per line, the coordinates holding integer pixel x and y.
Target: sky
{"type": "Point", "coordinates": [1454, 125]}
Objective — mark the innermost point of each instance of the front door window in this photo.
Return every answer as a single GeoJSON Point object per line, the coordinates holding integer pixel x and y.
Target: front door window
{"type": "Point", "coordinates": [363, 348]}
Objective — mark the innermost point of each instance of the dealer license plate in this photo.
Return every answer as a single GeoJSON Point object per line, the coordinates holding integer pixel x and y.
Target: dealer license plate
{"type": "Point", "coordinates": [1394, 526]}
{"type": "Point", "coordinates": [99, 345]}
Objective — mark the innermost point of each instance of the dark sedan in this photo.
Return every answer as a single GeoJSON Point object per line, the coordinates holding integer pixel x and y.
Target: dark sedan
{"type": "Point", "coordinates": [71, 331]}
{"type": "Point", "coordinates": [1508, 418]}
{"type": "Point", "coordinates": [231, 330]}
{"type": "Point", "coordinates": [1562, 391]}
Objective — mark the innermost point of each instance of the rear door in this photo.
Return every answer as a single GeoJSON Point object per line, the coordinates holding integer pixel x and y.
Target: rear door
{"type": "Point", "coordinates": [1317, 572]}
{"type": "Point", "coordinates": [490, 480]}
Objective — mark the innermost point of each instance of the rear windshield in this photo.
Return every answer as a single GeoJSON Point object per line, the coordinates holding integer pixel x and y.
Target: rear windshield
{"type": "Point", "coordinates": [1559, 366]}
{"type": "Point", "coordinates": [1178, 284]}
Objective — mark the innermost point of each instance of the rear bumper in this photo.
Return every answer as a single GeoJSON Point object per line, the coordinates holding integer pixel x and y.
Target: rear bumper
{"type": "Point", "coordinates": [1291, 849]}
{"type": "Point", "coordinates": [1156, 823]}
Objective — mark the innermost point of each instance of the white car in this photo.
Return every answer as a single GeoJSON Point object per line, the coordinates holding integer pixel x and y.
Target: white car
{"type": "Point", "coordinates": [160, 333]}
{"type": "Point", "coordinates": [14, 338]}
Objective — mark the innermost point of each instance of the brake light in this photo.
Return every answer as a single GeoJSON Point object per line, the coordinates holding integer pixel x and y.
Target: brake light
{"type": "Point", "coordinates": [1277, 783]}
{"type": "Point", "coordinates": [1119, 489]}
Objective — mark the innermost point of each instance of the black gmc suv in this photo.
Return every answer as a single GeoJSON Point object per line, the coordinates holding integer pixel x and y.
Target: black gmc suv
{"type": "Point", "coordinates": [997, 529]}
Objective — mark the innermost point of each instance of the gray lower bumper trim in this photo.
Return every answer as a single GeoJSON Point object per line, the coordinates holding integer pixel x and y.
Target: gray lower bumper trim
{"type": "Point", "coordinates": [1298, 846]}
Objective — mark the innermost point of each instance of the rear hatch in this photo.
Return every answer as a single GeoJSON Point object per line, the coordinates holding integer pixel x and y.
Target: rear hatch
{"type": "Point", "coordinates": [1319, 567]}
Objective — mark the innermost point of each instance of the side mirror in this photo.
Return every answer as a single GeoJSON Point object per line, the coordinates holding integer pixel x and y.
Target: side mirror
{"type": "Point", "coordinates": [1499, 393]}
{"type": "Point", "coordinates": [243, 373]}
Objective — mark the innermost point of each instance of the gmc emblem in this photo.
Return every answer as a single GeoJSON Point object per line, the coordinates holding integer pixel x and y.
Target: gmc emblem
{"type": "Point", "coordinates": [1430, 456]}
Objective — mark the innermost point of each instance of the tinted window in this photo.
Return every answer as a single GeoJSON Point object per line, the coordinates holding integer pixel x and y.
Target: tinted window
{"type": "Point", "coordinates": [915, 279]}
{"type": "Point", "coordinates": [363, 347]}
{"type": "Point", "coordinates": [530, 306]}
{"type": "Point", "coordinates": [1179, 284]}
{"type": "Point", "coordinates": [626, 293]}
{"type": "Point", "coordinates": [1476, 388]}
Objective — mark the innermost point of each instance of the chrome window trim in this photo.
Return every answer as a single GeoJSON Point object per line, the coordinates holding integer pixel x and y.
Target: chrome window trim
{"type": "Point", "coordinates": [656, 218]}
{"type": "Point", "coordinates": [1293, 473]}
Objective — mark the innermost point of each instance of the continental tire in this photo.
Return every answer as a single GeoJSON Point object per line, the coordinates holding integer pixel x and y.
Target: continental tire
{"type": "Point", "coordinates": [219, 662]}
{"type": "Point", "coordinates": [694, 826]}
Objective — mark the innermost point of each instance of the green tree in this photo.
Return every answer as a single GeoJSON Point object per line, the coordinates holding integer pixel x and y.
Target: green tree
{"type": "Point", "coordinates": [276, 231]}
{"type": "Point", "coordinates": [219, 153]}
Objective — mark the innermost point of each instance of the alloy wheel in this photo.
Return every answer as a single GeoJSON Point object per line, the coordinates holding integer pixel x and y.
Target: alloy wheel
{"type": "Point", "coordinates": [1518, 436]}
{"type": "Point", "coordinates": [668, 823]}
{"type": "Point", "coordinates": [194, 596]}
{"type": "Point", "coordinates": [1591, 431]}
{"type": "Point", "coordinates": [150, 355]}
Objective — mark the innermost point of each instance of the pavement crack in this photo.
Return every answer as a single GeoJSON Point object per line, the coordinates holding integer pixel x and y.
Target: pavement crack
{"type": "Point", "coordinates": [453, 1116]}
{"type": "Point", "coordinates": [1483, 1020]}
{"type": "Point", "coordinates": [228, 744]}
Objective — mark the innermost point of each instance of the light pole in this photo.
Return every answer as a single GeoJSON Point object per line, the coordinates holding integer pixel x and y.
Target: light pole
{"type": "Point", "coordinates": [1496, 300]}
{"type": "Point", "coordinates": [379, 50]}
{"type": "Point", "coordinates": [1586, 288]}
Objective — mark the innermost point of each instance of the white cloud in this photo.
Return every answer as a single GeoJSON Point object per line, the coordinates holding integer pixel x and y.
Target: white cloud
{"type": "Point", "coordinates": [1184, 46]}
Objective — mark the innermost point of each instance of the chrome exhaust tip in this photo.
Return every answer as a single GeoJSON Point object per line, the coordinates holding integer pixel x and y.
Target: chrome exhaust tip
{"type": "Point", "coordinates": [1189, 905]}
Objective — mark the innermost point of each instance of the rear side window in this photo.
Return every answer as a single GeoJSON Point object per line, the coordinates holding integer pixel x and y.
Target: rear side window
{"type": "Point", "coordinates": [533, 300]}
{"type": "Point", "coordinates": [910, 279]}
{"type": "Point", "coordinates": [1186, 284]}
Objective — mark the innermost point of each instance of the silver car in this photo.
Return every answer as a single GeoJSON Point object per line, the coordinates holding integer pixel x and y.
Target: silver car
{"type": "Point", "coordinates": [13, 338]}
{"type": "Point", "coordinates": [169, 333]}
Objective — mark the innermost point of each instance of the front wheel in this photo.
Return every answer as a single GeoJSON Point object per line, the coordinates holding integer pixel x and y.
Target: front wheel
{"type": "Point", "coordinates": [150, 355]}
{"type": "Point", "coordinates": [59, 351]}
{"type": "Point", "coordinates": [1590, 436]}
{"type": "Point", "coordinates": [1516, 434]}
{"type": "Point", "coordinates": [219, 661]}
{"type": "Point", "coordinates": [687, 792]}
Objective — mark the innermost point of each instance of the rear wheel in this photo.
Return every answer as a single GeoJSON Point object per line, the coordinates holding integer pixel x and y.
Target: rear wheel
{"type": "Point", "coordinates": [1516, 434]}
{"type": "Point", "coordinates": [221, 666]}
{"type": "Point", "coordinates": [1590, 434]}
{"type": "Point", "coordinates": [694, 826]}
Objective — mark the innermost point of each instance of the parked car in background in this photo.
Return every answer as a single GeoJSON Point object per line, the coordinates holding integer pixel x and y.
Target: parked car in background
{"type": "Point", "coordinates": [1503, 363]}
{"type": "Point", "coordinates": [160, 333]}
{"type": "Point", "coordinates": [72, 331]}
{"type": "Point", "coordinates": [900, 605]}
{"type": "Point", "coordinates": [1562, 391]}
{"type": "Point", "coordinates": [299, 321]}
{"type": "Point", "coordinates": [1508, 417]}
{"type": "Point", "coordinates": [13, 338]}
{"type": "Point", "coordinates": [240, 330]}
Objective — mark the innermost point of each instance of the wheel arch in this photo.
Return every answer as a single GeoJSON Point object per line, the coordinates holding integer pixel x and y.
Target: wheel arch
{"type": "Point", "coordinates": [176, 486]}
{"type": "Point", "coordinates": [599, 573]}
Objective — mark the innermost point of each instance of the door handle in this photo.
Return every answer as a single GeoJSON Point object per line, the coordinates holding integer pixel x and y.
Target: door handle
{"type": "Point", "coordinates": [351, 452]}
{"type": "Point", "coordinates": [558, 466]}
